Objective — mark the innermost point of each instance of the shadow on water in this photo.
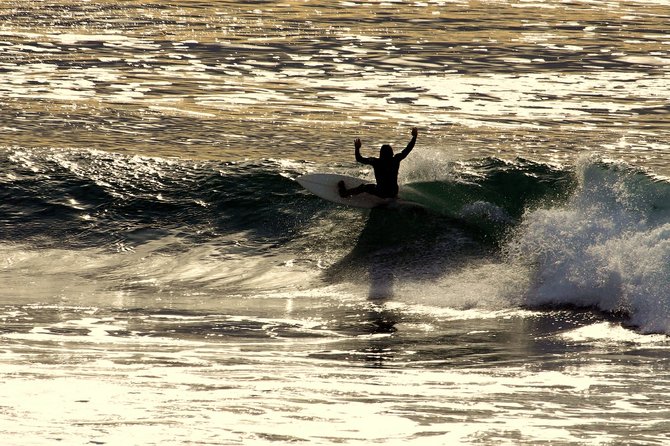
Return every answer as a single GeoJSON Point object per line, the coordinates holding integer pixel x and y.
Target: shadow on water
{"type": "Point", "coordinates": [401, 245]}
{"type": "Point", "coordinates": [395, 246]}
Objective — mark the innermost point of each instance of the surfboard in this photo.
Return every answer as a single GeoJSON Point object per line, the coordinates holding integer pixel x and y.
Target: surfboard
{"type": "Point", "coordinates": [324, 185]}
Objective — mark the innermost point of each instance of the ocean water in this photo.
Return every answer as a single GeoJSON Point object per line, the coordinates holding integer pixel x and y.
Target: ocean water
{"type": "Point", "coordinates": [166, 281]}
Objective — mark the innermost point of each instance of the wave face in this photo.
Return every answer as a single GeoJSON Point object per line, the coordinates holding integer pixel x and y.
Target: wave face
{"type": "Point", "coordinates": [80, 198]}
{"type": "Point", "coordinates": [594, 236]}
{"type": "Point", "coordinates": [91, 198]}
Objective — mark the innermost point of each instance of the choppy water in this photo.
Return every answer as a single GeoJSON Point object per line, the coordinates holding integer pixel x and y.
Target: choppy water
{"type": "Point", "coordinates": [165, 281]}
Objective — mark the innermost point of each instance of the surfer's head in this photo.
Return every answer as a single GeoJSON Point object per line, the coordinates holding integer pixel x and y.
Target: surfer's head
{"type": "Point", "coordinates": [386, 152]}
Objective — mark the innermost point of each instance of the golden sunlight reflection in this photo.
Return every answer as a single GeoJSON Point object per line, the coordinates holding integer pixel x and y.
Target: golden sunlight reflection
{"type": "Point", "coordinates": [340, 66]}
{"type": "Point", "coordinates": [165, 280]}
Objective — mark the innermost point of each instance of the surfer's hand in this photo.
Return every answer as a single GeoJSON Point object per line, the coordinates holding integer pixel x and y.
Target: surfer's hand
{"type": "Point", "coordinates": [415, 132]}
{"type": "Point", "coordinates": [357, 143]}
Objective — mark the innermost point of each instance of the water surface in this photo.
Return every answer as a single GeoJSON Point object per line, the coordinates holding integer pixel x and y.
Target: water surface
{"type": "Point", "coordinates": [166, 281]}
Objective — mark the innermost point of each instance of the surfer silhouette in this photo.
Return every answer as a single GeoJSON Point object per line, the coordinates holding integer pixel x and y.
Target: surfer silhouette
{"type": "Point", "coordinates": [385, 167]}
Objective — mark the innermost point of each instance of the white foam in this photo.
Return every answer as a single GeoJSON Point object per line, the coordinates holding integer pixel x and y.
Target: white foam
{"type": "Point", "coordinates": [608, 247]}
{"type": "Point", "coordinates": [485, 286]}
{"type": "Point", "coordinates": [607, 333]}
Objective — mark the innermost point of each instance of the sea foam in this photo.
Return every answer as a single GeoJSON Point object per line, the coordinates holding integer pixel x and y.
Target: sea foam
{"type": "Point", "coordinates": [607, 248]}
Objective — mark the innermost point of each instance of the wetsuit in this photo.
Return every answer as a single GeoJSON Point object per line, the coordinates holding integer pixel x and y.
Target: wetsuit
{"type": "Point", "coordinates": [386, 172]}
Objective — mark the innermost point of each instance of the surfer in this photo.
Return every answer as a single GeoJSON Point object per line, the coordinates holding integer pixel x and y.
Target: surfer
{"type": "Point", "coordinates": [386, 170]}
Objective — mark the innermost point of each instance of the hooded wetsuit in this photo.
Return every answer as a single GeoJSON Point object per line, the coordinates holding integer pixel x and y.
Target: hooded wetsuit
{"type": "Point", "coordinates": [386, 170]}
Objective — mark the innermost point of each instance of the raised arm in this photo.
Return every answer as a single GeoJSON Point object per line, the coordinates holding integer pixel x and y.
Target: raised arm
{"type": "Point", "coordinates": [410, 145]}
{"type": "Point", "coordinates": [359, 158]}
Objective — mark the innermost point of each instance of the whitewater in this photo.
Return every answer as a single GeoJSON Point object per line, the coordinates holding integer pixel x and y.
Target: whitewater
{"type": "Point", "coordinates": [165, 280]}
